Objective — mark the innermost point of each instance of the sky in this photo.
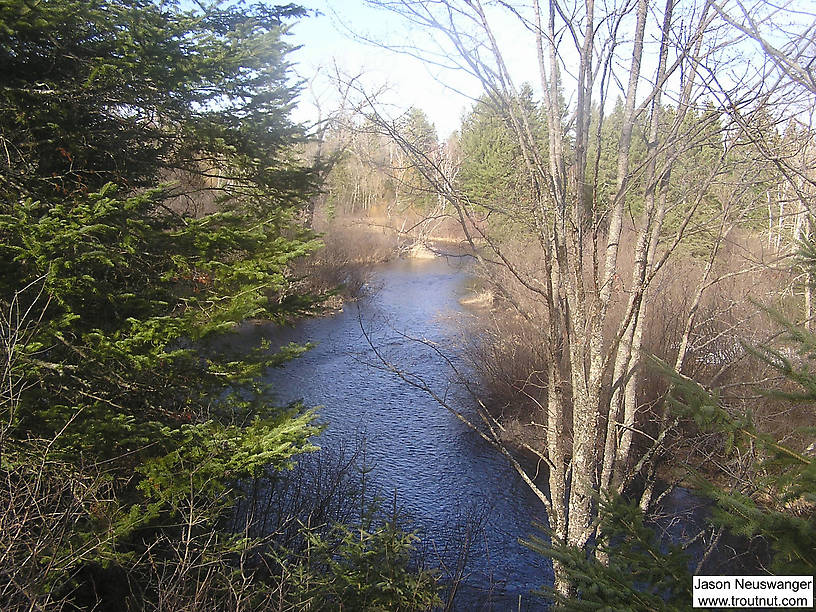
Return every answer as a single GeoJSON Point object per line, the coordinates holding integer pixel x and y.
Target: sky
{"type": "Point", "coordinates": [445, 96]}
{"type": "Point", "coordinates": [326, 43]}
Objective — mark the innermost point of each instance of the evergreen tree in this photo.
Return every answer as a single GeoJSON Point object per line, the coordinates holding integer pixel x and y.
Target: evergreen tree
{"type": "Point", "coordinates": [645, 573]}
{"type": "Point", "coordinates": [641, 574]}
{"type": "Point", "coordinates": [493, 170]}
{"type": "Point", "coordinates": [492, 161]}
{"type": "Point", "coordinates": [489, 155]}
{"type": "Point", "coordinates": [114, 116]}
{"type": "Point", "coordinates": [420, 134]}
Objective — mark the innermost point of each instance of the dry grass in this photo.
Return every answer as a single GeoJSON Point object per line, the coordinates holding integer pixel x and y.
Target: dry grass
{"type": "Point", "coordinates": [339, 271]}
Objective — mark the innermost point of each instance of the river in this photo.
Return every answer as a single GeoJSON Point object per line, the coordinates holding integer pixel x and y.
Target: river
{"type": "Point", "coordinates": [439, 468]}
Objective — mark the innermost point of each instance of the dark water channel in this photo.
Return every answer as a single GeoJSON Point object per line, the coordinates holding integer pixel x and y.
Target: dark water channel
{"type": "Point", "coordinates": [440, 469]}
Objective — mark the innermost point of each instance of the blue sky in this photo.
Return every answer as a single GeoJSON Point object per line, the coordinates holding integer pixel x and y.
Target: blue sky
{"type": "Point", "coordinates": [445, 96]}
{"type": "Point", "coordinates": [326, 41]}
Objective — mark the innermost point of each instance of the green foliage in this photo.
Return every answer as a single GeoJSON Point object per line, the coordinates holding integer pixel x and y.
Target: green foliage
{"type": "Point", "coordinates": [124, 88]}
{"type": "Point", "coordinates": [149, 201]}
{"type": "Point", "coordinates": [641, 573]}
{"type": "Point", "coordinates": [784, 477]}
{"type": "Point", "coordinates": [420, 135]}
{"type": "Point", "coordinates": [368, 569]}
{"type": "Point", "coordinates": [419, 131]}
{"type": "Point", "coordinates": [210, 455]}
{"type": "Point", "coordinates": [372, 566]}
{"type": "Point", "coordinates": [489, 155]}
{"type": "Point", "coordinates": [130, 282]}
{"type": "Point", "coordinates": [698, 149]}
{"type": "Point", "coordinates": [493, 168]}
{"type": "Point", "coordinates": [605, 173]}
{"type": "Point", "coordinates": [777, 505]}
{"type": "Point", "coordinates": [644, 574]}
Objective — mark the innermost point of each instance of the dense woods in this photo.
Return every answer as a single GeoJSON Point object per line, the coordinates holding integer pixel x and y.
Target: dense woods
{"type": "Point", "coordinates": [639, 213]}
{"type": "Point", "coordinates": [646, 208]}
{"type": "Point", "coordinates": [151, 197]}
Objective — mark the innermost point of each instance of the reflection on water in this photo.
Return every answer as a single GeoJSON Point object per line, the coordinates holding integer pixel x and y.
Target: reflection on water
{"type": "Point", "coordinates": [439, 468]}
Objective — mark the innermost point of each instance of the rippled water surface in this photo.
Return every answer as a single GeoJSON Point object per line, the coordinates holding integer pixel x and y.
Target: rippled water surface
{"type": "Point", "coordinates": [438, 467]}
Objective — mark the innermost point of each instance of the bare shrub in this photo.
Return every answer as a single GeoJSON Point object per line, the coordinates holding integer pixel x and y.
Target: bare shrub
{"type": "Point", "coordinates": [341, 267]}
{"type": "Point", "coordinates": [505, 346]}
{"type": "Point", "coordinates": [45, 503]}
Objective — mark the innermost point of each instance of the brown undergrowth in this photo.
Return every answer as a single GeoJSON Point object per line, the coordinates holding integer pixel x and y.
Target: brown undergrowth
{"type": "Point", "coordinates": [504, 346]}
{"type": "Point", "coordinates": [338, 271]}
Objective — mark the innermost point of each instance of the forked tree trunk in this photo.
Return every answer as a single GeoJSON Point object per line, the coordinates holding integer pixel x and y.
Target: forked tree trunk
{"type": "Point", "coordinates": [576, 284]}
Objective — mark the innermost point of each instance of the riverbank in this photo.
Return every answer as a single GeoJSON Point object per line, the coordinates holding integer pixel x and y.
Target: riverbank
{"type": "Point", "coordinates": [442, 472]}
{"type": "Point", "coordinates": [406, 296]}
{"type": "Point", "coordinates": [339, 271]}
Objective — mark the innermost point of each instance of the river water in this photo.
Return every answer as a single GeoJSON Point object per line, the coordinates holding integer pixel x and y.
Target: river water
{"type": "Point", "coordinates": [439, 468]}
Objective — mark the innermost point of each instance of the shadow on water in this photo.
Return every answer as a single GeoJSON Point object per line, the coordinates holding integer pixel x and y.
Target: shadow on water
{"type": "Point", "coordinates": [440, 469]}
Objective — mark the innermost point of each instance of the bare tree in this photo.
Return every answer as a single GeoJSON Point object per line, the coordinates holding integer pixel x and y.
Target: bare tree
{"type": "Point", "coordinates": [785, 35]}
{"type": "Point", "coordinates": [597, 252]}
